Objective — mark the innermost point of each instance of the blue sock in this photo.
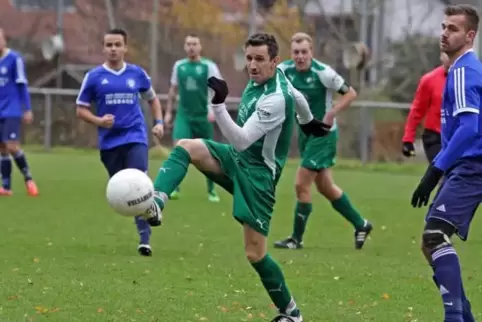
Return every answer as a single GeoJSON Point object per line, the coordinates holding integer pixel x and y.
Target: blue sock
{"type": "Point", "coordinates": [467, 308]}
{"type": "Point", "coordinates": [22, 164]}
{"type": "Point", "coordinates": [6, 170]}
{"type": "Point", "coordinates": [144, 230]}
{"type": "Point", "coordinates": [449, 278]}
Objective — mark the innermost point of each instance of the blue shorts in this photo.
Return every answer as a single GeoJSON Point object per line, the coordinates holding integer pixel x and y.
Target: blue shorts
{"type": "Point", "coordinates": [131, 155]}
{"type": "Point", "coordinates": [459, 196]}
{"type": "Point", "coordinates": [10, 129]}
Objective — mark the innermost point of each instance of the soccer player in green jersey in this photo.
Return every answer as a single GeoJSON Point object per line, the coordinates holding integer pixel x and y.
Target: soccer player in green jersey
{"type": "Point", "coordinates": [317, 82]}
{"type": "Point", "coordinates": [250, 166]}
{"type": "Point", "coordinates": [194, 118]}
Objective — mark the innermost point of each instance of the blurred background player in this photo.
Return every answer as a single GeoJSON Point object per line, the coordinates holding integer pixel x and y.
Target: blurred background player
{"type": "Point", "coordinates": [194, 117]}
{"type": "Point", "coordinates": [114, 88]}
{"type": "Point", "coordinates": [318, 81]}
{"type": "Point", "coordinates": [459, 162]}
{"type": "Point", "coordinates": [427, 105]}
{"type": "Point", "coordinates": [14, 108]}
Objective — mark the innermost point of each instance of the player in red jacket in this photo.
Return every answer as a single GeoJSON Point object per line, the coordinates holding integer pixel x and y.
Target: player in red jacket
{"type": "Point", "coordinates": [427, 104]}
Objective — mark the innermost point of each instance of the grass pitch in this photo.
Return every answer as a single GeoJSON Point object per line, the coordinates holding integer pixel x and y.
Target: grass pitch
{"type": "Point", "coordinates": [65, 256]}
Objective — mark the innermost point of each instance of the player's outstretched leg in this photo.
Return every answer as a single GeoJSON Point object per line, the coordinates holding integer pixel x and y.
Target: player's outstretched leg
{"type": "Point", "coordinates": [341, 203]}
{"type": "Point", "coordinates": [174, 169]}
{"type": "Point", "coordinates": [302, 211]}
{"type": "Point", "coordinates": [445, 263]}
{"type": "Point", "coordinates": [271, 276]}
{"type": "Point", "coordinates": [6, 172]}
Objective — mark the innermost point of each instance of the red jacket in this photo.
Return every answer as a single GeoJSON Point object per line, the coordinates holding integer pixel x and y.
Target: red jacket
{"type": "Point", "coordinates": [427, 103]}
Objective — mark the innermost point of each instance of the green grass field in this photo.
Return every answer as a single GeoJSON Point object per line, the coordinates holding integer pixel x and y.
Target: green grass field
{"type": "Point", "coordinates": [65, 256]}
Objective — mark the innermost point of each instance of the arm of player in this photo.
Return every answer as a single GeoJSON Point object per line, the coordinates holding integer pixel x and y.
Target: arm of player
{"type": "Point", "coordinates": [172, 93]}
{"type": "Point", "coordinates": [86, 95]}
{"type": "Point", "coordinates": [332, 80]}
{"type": "Point", "coordinates": [22, 84]}
{"type": "Point", "coordinates": [148, 93]}
{"type": "Point", "coordinates": [303, 112]}
{"type": "Point", "coordinates": [467, 111]}
{"type": "Point", "coordinates": [418, 110]}
{"type": "Point", "coordinates": [270, 113]}
{"type": "Point", "coordinates": [213, 71]}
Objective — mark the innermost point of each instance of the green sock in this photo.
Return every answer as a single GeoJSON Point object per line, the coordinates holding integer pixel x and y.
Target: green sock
{"type": "Point", "coordinates": [302, 212]}
{"type": "Point", "coordinates": [210, 185]}
{"type": "Point", "coordinates": [274, 282]}
{"type": "Point", "coordinates": [346, 209]}
{"type": "Point", "coordinates": [172, 172]}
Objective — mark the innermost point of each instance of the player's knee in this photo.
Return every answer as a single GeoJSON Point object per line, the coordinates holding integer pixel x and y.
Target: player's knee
{"type": "Point", "coordinates": [433, 239]}
{"type": "Point", "coordinates": [303, 191]}
{"type": "Point", "coordinates": [253, 255]}
{"type": "Point", "coordinates": [192, 146]}
{"type": "Point", "coordinates": [12, 147]}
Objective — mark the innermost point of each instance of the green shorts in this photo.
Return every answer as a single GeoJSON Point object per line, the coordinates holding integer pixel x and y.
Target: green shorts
{"type": "Point", "coordinates": [317, 153]}
{"type": "Point", "coordinates": [190, 129]}
{"type": "Point", "coordinates": [252, 188]}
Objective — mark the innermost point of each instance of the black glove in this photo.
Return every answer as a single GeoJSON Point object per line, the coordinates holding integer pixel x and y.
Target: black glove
{"type": "Point", "coordinates": [315, 128]}
{"type": "Point", "coordinates": [429, 181]}
{"type": "Point", "coordinates": [408, 149]}
{"type": "Point", "coordinates": [220, 89]}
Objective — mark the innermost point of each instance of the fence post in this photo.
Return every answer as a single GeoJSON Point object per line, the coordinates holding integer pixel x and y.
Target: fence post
{"type": "Point", "coordinates": [48, 122]}
{"type": "Point", "coordinates": [365, 133]}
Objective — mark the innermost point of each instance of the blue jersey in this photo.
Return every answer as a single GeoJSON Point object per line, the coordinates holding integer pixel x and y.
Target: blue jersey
{"type": "Point", "coordinates": [117, 93]}
{"type": "Point", "coordinates": [13, 85]}
{"type": "Point", "coordinates": [462, 94]}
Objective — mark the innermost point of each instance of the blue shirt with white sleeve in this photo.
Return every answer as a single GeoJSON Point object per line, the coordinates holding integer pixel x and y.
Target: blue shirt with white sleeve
{"type": "Point", "coordinates": [117, 92]}
{"type": "Point", "coordinates": [461, 119]}
{"type": "Point", "coordinates": [14, 96]}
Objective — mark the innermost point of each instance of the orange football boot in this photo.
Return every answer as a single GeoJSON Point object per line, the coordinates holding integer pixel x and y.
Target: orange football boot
{"type": "Point", "coordinates": [5, 192]}
{"type": "Point", "coordinates": [32, 189]}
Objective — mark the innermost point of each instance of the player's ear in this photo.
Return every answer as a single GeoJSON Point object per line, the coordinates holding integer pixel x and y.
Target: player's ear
{"type": "Point", "coordinates": [276, 60]}
{"type": "Point", "coordinates": [470, 37]}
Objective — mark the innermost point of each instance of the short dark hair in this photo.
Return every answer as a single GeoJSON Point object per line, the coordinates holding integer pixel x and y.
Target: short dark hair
{"type": "Point", "coordinates": [193, 35]}
{"type": "Point", "coordinates": [468, 11]}
{"type": "Point", "coordinates": [118, 31]}
{"type": "Point", "coordinates": [261, 39]}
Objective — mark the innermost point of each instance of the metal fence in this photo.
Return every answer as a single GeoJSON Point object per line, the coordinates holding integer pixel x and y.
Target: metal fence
{"type": "Point", "coordinates": [369, 130]}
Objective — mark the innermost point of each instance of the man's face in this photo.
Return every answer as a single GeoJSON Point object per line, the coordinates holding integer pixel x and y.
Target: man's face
{"type": "Point", "coordinates": [192, 46]}
{"type": "Point", "coordinates": [3, 41]}
{"type": "Point", "coordinates": [114, 47]}
{"type": "Point", "coordinates": [302, 54]}
{"type": "Point", "coordinates": [455, 34]}
{"type": "Point", "coordinates": [258, 63]}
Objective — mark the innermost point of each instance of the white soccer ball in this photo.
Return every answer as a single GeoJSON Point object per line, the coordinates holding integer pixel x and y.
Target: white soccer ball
{"type": "Point", "coordinates": [130, 192]}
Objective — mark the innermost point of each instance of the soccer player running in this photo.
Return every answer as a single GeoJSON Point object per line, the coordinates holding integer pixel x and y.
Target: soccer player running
{"type": "Point", "coordinates": [250, 166]}
{"type": "Point", "coordinates": [426, 104]}
{"type": "Point", "coordinates": [318, 82]}
{"type": "Point", "coordinates": [114, 88]}
{"type": "Point", "coordinates": [459, 162]}
{"type": "Point", "coordinates": [194, 117]}
{"type": "Point", "coordinates": [14, 108]}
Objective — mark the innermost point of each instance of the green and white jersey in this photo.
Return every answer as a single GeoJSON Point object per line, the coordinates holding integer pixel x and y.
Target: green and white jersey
{"type": "Point", "coordinates": [317, 84]}
{"type": "Point", "coordinates": [267, 111]}
{"type": "Point", "coordinates": [191, 77]}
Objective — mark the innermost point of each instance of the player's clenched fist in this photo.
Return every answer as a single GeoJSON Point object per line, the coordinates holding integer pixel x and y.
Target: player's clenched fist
{"type": "Point", "coordinates": [107, 121]}
{"type": "Point", "coordinates": [158, 130]}
{"type": "Point", "coordinates": [220, 88]}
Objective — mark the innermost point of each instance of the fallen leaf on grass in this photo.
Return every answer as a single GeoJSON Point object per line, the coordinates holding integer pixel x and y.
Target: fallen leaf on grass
{"type": "Point", "coordinates": [36, 260]}
{"type": "Point", "coordinates": [385, 296]}
{"type": "Point", "coordinates": [12, 297]}
{"type": "Point", "coordinates": [100, 310]}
